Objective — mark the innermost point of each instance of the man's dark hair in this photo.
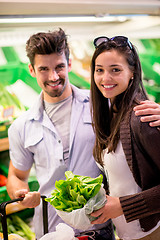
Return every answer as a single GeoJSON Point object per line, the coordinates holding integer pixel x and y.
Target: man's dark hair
{"type": "Point", "coordinates": [47, 43]}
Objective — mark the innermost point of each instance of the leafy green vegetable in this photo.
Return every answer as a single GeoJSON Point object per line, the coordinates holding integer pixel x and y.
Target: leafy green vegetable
{"type": "Point", "coordinates": [74, 192]}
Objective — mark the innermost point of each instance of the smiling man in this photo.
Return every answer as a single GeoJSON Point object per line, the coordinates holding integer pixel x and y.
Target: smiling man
{"type": "Point", "coordinates": [51, 72]}
{"type": "Point", "coordinates": [55, 134]}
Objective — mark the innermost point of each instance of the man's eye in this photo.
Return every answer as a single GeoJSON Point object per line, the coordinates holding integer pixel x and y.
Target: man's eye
{"type": "Point", "coordinates": [43, 69]}
{"type": "Point", "coordinates": [60, 67]}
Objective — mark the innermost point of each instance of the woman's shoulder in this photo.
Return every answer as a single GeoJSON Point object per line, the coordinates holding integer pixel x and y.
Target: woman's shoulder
{"type": "Point", "coordinates": [141, 128]}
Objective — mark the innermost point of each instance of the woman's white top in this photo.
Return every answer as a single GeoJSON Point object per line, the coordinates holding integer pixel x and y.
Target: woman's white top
{"type": "Point", "coordinates": [122, 183]}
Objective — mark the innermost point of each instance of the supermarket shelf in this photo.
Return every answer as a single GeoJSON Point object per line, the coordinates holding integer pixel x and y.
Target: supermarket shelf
{"type": "Point", "coordinates": [4, 144]}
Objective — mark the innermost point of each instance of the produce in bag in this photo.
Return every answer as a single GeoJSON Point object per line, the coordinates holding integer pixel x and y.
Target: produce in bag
{"type": "Point", "coordinates": [76, 198]}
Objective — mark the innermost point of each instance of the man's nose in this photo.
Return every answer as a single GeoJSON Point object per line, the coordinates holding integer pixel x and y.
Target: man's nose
{"type": "Point", "coordinates": [53, 75]}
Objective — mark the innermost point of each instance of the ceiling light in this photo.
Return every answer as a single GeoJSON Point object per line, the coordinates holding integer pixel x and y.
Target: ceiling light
{"type": "Point", "coordinates": [60, 19]}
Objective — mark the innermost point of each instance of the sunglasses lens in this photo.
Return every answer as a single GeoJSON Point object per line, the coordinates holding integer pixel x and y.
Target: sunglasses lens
{"type": "Point", "coordinates": [120, 40]}
{"type": "Point", "coordinates": [100, 40]}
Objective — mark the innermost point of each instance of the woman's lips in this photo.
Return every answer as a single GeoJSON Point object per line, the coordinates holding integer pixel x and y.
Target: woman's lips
{"type": "Point", "coordinates": [109, 86]}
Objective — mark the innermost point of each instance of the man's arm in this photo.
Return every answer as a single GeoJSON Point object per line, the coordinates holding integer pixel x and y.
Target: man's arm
{"type": "Point", "coordinates": [17, 186]}
{"type": "Point", "coordinates": [150, 111]}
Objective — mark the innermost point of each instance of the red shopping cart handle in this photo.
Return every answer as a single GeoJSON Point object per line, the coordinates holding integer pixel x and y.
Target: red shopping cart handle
{"type": "Point", "coordinates": [83, 238]}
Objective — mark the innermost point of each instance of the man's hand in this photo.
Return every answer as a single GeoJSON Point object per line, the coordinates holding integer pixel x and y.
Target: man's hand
{"type": "Point", "coordinates": [111, 209]}
{"type": "Point", "coordinates": [150, 111]}
{"type": "Point", "coordinates": [31, 199]}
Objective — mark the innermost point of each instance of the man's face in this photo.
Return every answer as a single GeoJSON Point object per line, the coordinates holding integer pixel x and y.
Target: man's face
{"type": "Point", "coordinates": [51, 72]}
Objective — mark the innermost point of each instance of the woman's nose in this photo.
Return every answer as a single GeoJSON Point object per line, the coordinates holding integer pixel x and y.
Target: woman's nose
{"type": "Point", "coordinates": [106, 76]}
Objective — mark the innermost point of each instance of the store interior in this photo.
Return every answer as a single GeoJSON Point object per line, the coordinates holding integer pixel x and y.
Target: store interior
{"type": "Point", "coordinates": [83, 21]}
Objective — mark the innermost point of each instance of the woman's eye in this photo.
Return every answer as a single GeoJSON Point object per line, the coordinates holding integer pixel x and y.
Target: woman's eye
{"type": "Point", "coordinates": [99, 70]}
{"type": "Point", "coordinates": [116, 70]}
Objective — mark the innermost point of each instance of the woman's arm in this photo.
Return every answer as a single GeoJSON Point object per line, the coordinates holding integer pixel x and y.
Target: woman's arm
{"type": "Point", "coordinates": [111, 209]}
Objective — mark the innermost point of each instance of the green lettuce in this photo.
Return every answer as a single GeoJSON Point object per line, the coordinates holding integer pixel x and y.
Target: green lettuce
{"type": "Point", "coordinates": [74, 192]}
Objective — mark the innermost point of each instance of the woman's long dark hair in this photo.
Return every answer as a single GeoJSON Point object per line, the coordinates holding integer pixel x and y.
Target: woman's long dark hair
{"type": "Point", "coordinates": [107, 128]}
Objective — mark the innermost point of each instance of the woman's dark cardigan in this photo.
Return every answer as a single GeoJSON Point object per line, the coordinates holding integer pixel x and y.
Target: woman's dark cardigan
{"type": "Point", "coordinates": [141, 145]}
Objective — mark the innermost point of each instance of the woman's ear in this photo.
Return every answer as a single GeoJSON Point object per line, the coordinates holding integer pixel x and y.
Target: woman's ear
{"type": "Point", "coordinates": [31, 70]}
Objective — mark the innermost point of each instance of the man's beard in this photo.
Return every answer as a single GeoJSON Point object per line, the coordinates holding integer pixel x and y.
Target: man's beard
{"type": "Point", "coordinates": [57, 92]}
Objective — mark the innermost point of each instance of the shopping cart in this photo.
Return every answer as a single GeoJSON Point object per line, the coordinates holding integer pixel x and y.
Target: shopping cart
{"type": "Point", "coordinates": [45, 217]}
{"type": "Point", "coordinates": [4, 215]}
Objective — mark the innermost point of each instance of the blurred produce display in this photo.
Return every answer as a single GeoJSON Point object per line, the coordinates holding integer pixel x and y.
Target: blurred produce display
{"type": "Point", "coordinates": [16, 90]}
{"type": "Point", "coordinates": [10, 106]}
{"type": "Point", "coordinates": [3, 180]}
{"type": "Point", "coordinates": [150, 60]}
{"type": "Point", "coordinates": [19, 227]}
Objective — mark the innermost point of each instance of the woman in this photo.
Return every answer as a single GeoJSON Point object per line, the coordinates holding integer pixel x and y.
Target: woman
{"type": "Point", "coordinates": [128, 150]}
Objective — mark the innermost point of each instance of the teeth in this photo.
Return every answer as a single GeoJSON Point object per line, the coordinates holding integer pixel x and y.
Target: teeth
{"type": "Point", "coordinates": [108, 86]}
{"type": "Point", "coordinates": [53, 85]}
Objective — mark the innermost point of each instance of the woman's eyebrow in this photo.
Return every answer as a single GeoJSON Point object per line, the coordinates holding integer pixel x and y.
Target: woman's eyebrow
{"type": "Point", "coordinates": [98, 65]}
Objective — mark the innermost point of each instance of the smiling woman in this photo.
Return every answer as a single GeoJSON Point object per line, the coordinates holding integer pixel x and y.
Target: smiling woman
{"type": "Point", "coordinates": [124, 146]}
{"type": "Point", "coordinates": [112, 74]}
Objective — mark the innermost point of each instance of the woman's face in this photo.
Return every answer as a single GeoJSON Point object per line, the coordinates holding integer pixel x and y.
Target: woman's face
{"type": "Point", "coordinates": [112, 73]}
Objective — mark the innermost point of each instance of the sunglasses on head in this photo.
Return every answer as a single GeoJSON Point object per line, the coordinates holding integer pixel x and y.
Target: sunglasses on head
{"type": "Point", "coordinates": [120, 40]}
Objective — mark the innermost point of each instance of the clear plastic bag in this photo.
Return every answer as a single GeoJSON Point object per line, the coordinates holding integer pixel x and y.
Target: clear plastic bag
{"type": "Point", "coordinates": [59, 233]}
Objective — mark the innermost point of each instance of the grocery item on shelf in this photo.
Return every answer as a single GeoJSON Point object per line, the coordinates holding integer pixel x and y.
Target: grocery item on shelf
{"type": "Point", "coordinates": [10, 106]}
{"type": "Point", "coordinates": [12, 236]}
{"type": "Point", "coordinates": [4, 125]}
{"type": "Point", "coordinates": [3, 180]}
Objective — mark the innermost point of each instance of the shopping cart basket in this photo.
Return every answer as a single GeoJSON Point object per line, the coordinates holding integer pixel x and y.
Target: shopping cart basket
{"type": "Point", "coordinates": [45, 217]}
{"type": "Point", "coordinates": [4, 215]}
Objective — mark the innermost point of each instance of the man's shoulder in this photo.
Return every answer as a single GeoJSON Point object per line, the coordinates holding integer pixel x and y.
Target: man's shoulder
{"type": "Point", "coordinates": [84, 91]}
{"type": "Point", "coordinates": [19, 121]}
{"type": "Point", "coordinates": [31, 113]}
{"type": "Point", "coordinates": [79, 92]}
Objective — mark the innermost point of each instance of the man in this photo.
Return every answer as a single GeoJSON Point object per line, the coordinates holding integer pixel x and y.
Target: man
{"type": "Point", "coordinates": [55, 134]}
